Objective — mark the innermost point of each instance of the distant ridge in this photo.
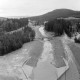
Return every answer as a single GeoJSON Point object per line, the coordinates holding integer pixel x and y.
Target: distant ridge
{"type": "Point", "coordinates": [58, 13]}
{"type": "Point", "coordinates": [3, 18]}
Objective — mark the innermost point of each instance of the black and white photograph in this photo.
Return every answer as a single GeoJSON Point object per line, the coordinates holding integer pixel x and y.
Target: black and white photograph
{"type": "Point", "coordinates": [39, 39]}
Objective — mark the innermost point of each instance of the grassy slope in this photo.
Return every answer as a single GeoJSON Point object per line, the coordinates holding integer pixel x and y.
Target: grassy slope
{"type": "Point", "coordinates": [76, 52]}
{"type": "Point", "coordinates": [58, 13]}
{"type": "Point", "coordinates": [58, 52]}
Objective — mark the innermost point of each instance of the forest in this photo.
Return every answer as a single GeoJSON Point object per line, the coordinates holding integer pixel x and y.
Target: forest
{"type": "Point", "coordinates": [61, 26]}
{"type": "Point", "coordinates": [12, 41]}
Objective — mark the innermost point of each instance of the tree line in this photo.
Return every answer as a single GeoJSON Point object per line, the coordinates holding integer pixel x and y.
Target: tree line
{"type": "Point", "coordinates": [61, 26]}
{"type": "Point", "coordinates": [12, 24]}
{"type": "Point", "coordinates": [12, 41]}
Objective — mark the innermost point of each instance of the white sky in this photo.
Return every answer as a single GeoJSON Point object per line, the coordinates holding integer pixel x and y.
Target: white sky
{"type": "Point", "coordinates": [34, 7]}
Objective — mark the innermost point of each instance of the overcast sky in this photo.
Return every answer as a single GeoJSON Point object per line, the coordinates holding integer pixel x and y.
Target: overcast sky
{"type": "Point", "coordinates": [34, 7]}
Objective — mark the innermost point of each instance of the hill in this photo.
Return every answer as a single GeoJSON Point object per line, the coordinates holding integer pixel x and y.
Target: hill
{"type": "Point", "coordinates": [58, 13]}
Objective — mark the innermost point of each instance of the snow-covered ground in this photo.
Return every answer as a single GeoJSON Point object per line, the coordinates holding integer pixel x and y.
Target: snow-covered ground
{"type": "Point", "coordinates": [48, 51]}
{"type": "Point", "coordinates": [11, 65]}
{"type": "Point", "coordinates": [41, 29]}
{"type": "Point", "coordinates": [73, 71]}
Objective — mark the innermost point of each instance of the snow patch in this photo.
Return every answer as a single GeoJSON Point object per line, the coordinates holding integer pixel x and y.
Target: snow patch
{"type": "Point", "coordinates": [41, 29]}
